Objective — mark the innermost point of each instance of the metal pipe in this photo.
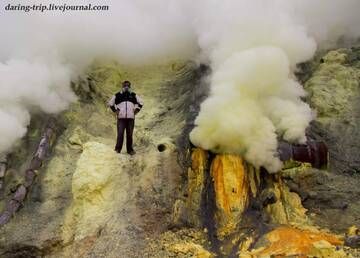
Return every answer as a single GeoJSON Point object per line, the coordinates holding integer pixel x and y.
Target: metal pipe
{"type": "Point", "coordinates": [3, 167]}
{"type": "Point", "coordinates": [313, 152]}
{"type": "Point", "coordinates": [43, 149]}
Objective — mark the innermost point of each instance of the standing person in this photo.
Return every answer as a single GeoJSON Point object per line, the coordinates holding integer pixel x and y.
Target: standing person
{"type": "Point", "coordinates": [126, 104]}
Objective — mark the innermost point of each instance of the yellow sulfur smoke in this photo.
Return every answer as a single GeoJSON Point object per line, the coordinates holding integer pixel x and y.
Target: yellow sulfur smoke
{"type": "Point", "coordinates": [253, 99]}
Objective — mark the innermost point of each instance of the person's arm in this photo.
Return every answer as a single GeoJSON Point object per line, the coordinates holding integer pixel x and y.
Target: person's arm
{"type": "Point", "coordinates": [111, 103]}
{"type": "Point", "coordinates": [139, 104]}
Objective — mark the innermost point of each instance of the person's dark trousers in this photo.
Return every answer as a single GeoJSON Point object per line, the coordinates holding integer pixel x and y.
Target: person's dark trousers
{"type": "Point", "coordinates": [122, 125]}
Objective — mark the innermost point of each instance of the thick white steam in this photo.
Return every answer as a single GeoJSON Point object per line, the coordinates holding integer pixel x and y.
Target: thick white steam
{"type": "Point", "coordinates": [27, 86]}
{"type": "Point", "coordinates": [41, 53]}
{"type": "Point", "coordinates": [245, 112]}
{"type": "Point", "coordinates": [253, 47]}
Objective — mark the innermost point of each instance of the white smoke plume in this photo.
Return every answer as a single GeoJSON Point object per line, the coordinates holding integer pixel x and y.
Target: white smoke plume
{"type": "Point", "coordinates": [253, 47]}
{"type": "Point", "coordinates": [28, 85]}
{"type": "Point", "coordinates": [41, 53]}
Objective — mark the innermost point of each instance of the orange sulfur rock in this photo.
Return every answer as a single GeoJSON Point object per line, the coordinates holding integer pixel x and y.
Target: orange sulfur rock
{"type": "Point", "coordinates": [288, 208]}
{"type": "Point", "coordinates": [199, 159]}
{"type": "Point", "coordinates": [288, 241]}
{"type": "Point", "coordinates": [196, 181]}
{"type": "Point", "coordinates": [229, 173]}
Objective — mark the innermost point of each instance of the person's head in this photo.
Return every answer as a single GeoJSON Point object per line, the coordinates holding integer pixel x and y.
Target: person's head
{"type": "Point", "coordinates": [126, 85]}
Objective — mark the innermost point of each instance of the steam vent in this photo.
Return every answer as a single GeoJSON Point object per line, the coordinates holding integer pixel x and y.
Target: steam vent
{"type": "Point", "coordinates": [240, 122]}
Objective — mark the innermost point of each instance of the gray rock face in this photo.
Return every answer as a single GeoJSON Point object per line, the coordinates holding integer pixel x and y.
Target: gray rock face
{"type": "Point", "coordinates": [334, 92]}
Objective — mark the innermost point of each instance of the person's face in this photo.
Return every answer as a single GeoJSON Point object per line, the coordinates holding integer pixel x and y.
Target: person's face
{"type": "Point", "coordinates": [126, 86]}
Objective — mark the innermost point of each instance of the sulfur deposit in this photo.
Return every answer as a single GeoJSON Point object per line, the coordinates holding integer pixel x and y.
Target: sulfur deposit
{"type": "Point", "coordinates": [173, 199]}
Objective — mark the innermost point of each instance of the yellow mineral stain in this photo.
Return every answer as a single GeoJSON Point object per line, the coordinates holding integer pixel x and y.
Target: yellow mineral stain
{"type": "Point", "coordinates": [288, 208]}
{"type": "Point", "coordinates": [353, 231]}
{"type": "Point", "coordinates": [199, 160]}
{"type": "Point", "coordinates": [285, 241]}
{"type": "Point", "coordinates": [231, 191]}
{"type": "Point", "coordinates": [196, 182]}
{"type": "Point", "coordinates": [254, 179]}
{"type": "Point", "coordinates": [189, 249]}
{"type": "Point", "coordinates": [95, 189]}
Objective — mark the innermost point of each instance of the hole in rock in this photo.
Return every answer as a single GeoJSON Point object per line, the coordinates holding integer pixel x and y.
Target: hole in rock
{"type": "Point", "coordinates": [161, 147]}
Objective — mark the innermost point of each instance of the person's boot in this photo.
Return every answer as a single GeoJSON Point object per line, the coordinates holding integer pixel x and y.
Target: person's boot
{"type": "Point", "coordinates": [131, 152]}
{"type": "Point", "coordinates": [117, 150]}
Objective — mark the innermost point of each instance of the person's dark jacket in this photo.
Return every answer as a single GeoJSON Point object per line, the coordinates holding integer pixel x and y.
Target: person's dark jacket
{"type": "Point", "coordinates": [126, 104]}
